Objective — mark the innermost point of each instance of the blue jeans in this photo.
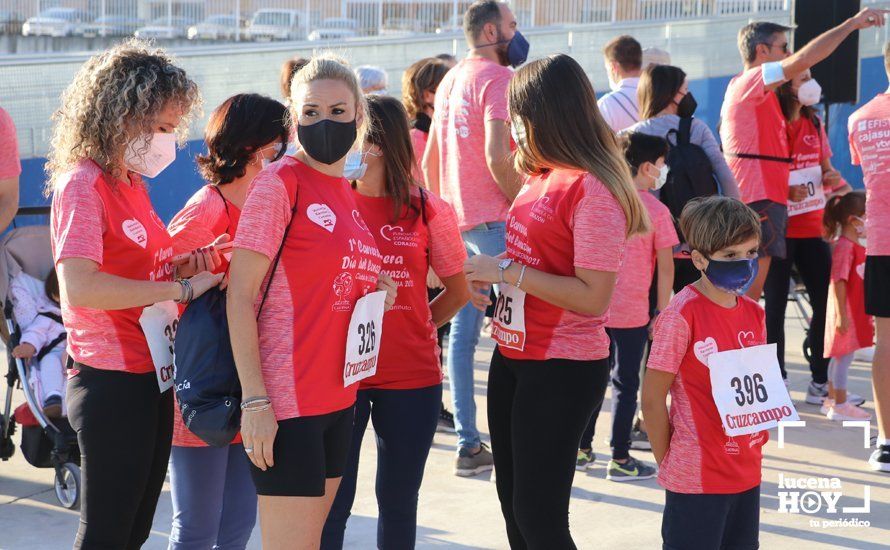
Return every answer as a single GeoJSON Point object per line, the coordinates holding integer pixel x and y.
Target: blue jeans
{"type": "Point", "coordinates": [625, 355]}
{"type": "Point", "coordinates": [214, 500]}
{"type": "Point", "coordinates": [487, 238]}
{"type": "Point", "coordinates": [405, 422]}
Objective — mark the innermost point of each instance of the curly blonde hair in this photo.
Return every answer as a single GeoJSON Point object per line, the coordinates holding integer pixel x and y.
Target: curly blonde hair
{"type": "Point", "coordinates": [115, 97]}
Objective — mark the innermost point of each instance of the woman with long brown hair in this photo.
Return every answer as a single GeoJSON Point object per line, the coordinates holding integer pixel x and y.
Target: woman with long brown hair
{"type": "Point", "coordinates": [419, 85]}
{"type": "Point", "coordinates": [414, 230]}
{"type": "Point", "coordinates": [566, 232]}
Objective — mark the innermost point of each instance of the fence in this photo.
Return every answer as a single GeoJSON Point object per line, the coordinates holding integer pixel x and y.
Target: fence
{"type": "Point", "coordinates": [316, 20]}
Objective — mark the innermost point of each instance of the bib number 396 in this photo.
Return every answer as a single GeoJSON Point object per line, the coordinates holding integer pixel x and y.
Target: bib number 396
{"type": "Point", "coordinates": [159, 323]}
{"type": "Point", "coordinates": [508, 324]}
{"type": "Point", "coordinates": [363, 339]}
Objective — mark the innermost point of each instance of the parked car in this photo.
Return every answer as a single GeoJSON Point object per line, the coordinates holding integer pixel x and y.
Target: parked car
{"type": "Point", "coordinates": [217, 27]}
{"type": "Point", "coordinates": [111, 25]}
{"type": "Point", "coordinates": [165, 28]}
{"type": "Point", "coordinates": [273, 24]}
{"type": "Point", "coordinates": [55, 22]}
{"type": "Point", "coordinates": [10, 22]}
{"type": "Point", "coordinates": [335, 28]}
{"type": "Point", "coordinates": [399, 26]}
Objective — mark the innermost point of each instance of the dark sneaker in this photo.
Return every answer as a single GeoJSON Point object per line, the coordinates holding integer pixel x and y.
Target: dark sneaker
{"type": "Point", "coordinates": [639, 440]}
{"type": "Point", "coordinates": [880, 459]}
{"type": "Point", "coordinates": [469, 463]}
{"type": "Point", "coordinates": [585, 460]}
{"type": "Point", "coordinates": [52, 407]}
{"type": "Point", "coordinates": [446, 421]}
{"type": "Point", "coordinates": [816, 393]}
{"type": "Point", "coordinates": [632, 470]}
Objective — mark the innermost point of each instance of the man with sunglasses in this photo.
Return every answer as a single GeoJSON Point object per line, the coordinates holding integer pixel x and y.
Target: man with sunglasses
{"type": "Point", "coordinates": [753, 132]}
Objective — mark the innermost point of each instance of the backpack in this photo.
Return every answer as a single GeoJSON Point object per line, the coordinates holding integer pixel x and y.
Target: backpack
{"type": "Point", "coordinates": [204, 375]}
{"type": "Point", "coordinates": [690, 174]}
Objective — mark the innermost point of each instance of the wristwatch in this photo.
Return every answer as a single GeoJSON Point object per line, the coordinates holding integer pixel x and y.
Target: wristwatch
{"type": "Point", "coordinates": [502, 266]}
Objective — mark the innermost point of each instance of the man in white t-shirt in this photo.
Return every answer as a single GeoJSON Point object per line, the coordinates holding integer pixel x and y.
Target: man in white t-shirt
{"type": "Point", "coordinates": [624, 61]}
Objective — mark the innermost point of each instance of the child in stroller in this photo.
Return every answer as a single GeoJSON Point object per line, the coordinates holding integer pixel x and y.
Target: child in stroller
{"type": "Point", "coordinates": [36, 310]}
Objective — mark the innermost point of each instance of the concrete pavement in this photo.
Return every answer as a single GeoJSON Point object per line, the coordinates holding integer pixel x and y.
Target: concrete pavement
{"type": "Point", "coordinates": [464, 513]}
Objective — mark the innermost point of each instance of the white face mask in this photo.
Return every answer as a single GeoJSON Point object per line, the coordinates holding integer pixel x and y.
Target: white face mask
{"type": "Point", "coordinates": [809, 93]}
{"type": "Point", "coordinates": [662, 176]}
{"type": "Point", "coordinates": [266, 162]}
{"type": "Point", "coordinates": [159, 155]}
{"type": "Point", "coordinates": [355, 167]}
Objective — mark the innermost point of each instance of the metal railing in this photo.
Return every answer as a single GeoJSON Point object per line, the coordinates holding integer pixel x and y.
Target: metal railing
{"type": "Point", "coordinates": [24, 22]}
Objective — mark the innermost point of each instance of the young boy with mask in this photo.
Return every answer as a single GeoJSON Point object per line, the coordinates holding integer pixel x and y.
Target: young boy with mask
{"type": "Point", "coordinates": [629, 313]}
{"type": "Point", "coordinates": [712, 480]}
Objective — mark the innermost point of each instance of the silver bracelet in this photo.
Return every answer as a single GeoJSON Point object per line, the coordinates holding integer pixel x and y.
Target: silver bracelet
{"type": "Point", "coordinates": [183, 292]}
{"type": "Point", "coordinates": [263, 400]}
{"type": "Point", "coordinates": [521, 276]}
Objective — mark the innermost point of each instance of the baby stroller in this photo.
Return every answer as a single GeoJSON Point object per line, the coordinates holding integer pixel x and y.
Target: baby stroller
{"type": "Point", "coordinates": [45, 443]}
{"type": "Point", "coordinates": [797, 294]}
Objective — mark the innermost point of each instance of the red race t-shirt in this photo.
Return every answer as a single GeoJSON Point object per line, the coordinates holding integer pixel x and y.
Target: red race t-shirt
{"type": "Point", "coordinates": [112, 223]}
{"type": "Point", "coordinates": [752, 123]}
{"type": "Point", "coordinates": [809, 147]}
{"type": "Point", "coordinates": [848, 264]}
{"type": "Point", "coordinates": [329, 261]}
{"type": "Point", "coordinates": [561, 220]}
{"type": "Point", "coordinates": [409, 353]}
{"type": "Point", "coordinates": [203, 218]}
{"type": "Point", "coordinates": [701, 458]}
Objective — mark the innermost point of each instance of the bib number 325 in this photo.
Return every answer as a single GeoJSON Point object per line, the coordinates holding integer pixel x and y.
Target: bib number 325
{"type": "Point", "coordinates": [508, 324]}
{"type": "Point", "coordinates": [363, 339]}
{"type": "Point", "coordinates": [159, 323]}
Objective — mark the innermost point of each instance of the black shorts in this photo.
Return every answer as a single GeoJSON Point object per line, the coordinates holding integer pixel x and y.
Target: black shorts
{"type": "Point", "coordinates": [308, 450]}
{"type": "Point", "coordinates": [730, 521]}
{"type": "Point", "coordinates": [877, 285]}
{"type": "Point", "coordinates": [773, 226]}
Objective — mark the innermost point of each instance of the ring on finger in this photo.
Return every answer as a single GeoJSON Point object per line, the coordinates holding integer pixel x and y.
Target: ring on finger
{"type": "Point", "coordinates": [248, 450]}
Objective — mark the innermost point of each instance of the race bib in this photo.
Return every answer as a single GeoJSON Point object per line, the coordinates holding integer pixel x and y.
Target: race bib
{"type": "Point", "coordinates": [363, 340]}
{"type": "Point", "coordinates": [815, 199]}
{"type": "Point", "coordinates": [748, 389]}
{"type": "Point", "coordinates": [508, 324]}
{"type": "Point", "coordinates": [159, 324]}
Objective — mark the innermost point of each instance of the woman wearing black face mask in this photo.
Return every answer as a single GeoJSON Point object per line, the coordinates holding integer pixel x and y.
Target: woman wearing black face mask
{"type": "Point", "coordinates": [301, 232]}
{"type": "Point", "coordinates": [665, 98]}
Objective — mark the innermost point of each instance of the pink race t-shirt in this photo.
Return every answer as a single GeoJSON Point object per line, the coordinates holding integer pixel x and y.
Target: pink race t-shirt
{"type": "Point", "coordinates": [203, 218]}
{"type": "Point", "coordinates": [630, 300]}
{"type": "Point", "coordinates": [701, 458]}
{"type": "Point", "coordinates": [869, 129]}
{"type": "Point", "coordinates": [10, 166]}
{"type": "Point", "coordinates": [113, 224]}
{"type": "Point", "coordinates": [848, 265]}
{"type": "Point", "coordinates": [561, 220]}
{"type": "Point", "coordinates": [418, 143]}
{"type": "Point", "coordinates": [328, 262]}
{"type": "Point", "coordinates": [425, 236]}
{"type": "Point", "coordinates": [752, 123]}
{"type": "Point", "coordinates": [471, 94]}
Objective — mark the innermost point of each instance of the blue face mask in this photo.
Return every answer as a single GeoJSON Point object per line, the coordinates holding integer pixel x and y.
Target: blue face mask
{"type": "Point", "coordinates": [517, 50]}
{"type": "Point", "coordinates": [735, 276]}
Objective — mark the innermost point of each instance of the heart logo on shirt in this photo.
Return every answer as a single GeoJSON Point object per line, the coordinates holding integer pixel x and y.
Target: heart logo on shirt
{"type": "Point", "coordinates": [705, 348]}
{"type": "Point", "coordinates": [322, 215]}
{"type": "Point", "coordinates": [357, 218]}
{"type": "Point", "coordinates": [811, 140]}
{"type": "Point", "coordinates": [860, 270]}
{"type": "Point", "coordinates": [388, 231]}
{"type": "Point", "coordinates": [746, 339]}
{"type": "Point", "coordinates": [135, 231]}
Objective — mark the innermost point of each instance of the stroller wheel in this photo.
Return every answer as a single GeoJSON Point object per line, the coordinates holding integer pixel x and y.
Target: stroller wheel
{"type": "Point", "coordinates": [68, 485]}
{"type": "Point", "coordinates": [807, 348]}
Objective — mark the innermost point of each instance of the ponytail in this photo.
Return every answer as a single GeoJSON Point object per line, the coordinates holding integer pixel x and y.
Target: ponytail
{"type": "Point", "coordinates": [838, 211]}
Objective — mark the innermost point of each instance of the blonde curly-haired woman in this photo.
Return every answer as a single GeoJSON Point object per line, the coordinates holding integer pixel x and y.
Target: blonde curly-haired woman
{"type": "Point", "coordinates": [119, 120]}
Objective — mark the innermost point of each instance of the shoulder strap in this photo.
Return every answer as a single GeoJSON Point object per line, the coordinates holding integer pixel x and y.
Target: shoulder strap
{"type": "Point", "coordinates": [49, 347]}
{"type": "Point", "coordinates": [785, 160]}
{"type": "Point", "coordinates": [53, 316]}
{"type": "Point", "coordinates": [226, 206]}
{"type": "Point", "coordinates": [623, 108]}
{"type": "Point", "coordinates": [684, 136]}
{"type": "Point", "coordinates": [293, 214]}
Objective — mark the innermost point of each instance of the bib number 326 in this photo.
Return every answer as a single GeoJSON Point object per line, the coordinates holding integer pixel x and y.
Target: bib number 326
{"type": "Point", "coordinates": [748, 389]}
{"type": "Point", "coordinates": [159, 323]}
{"type": "Point", "coordinates": [363, 340]}
{"type": "Point", "coordinates": [508, 324]}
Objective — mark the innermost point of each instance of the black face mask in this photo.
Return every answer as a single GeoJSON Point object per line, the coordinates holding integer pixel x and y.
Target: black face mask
{"type": "Point", "coordinates": [686, 107]}
{"type": "Point", "coordinates": [423, 123]}
{"type": "Point", "coordinates": [327, 141]}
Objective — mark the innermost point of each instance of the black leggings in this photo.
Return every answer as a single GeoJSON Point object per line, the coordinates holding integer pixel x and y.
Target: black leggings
{"type": "Point", "coordinates": [536, 413]}
{"type": "Point", "coordinates": [124, 428]}
{"type": "Point", "coordinates": [813, 260]}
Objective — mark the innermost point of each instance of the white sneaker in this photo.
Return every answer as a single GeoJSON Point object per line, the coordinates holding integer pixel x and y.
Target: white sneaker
{"type": "Point", "coordinates": [847, 411]}
{"type": "Point", "coordinates": [826, 406]}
